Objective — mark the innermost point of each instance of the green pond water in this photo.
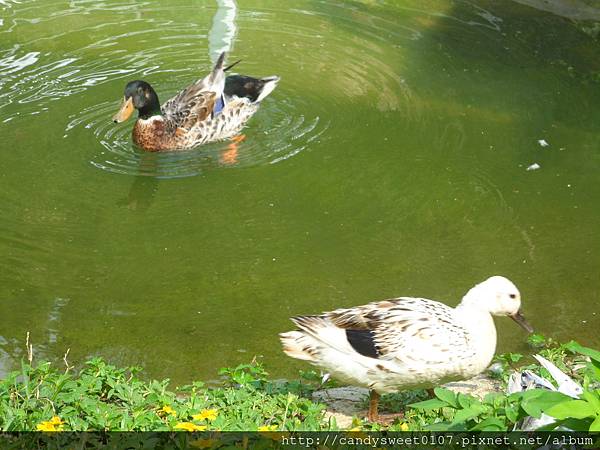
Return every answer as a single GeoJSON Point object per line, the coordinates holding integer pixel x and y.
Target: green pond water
{"type": "Point", "coordinates": [391, 160]}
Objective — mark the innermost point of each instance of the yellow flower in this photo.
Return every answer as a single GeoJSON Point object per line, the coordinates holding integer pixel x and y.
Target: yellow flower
{"type": "Point", "coordinates": [208, 414]}
{"type": "Point", "coordinates": [189, 426]}
{"type": "Point", "coordinates": [167, 410]}
{"type": "Point", "coordinates": [204, 443]}
{"type": "Point", "coordinates": [49, 426]}
{"type": "Point", "coordinates": [56, 420]}
{"type": "Point", "coordinates": [267, 428]}
{"type": "Point", "coordinates": [404, 427]}
{"type": "Point", "coordinates": [45, 426]}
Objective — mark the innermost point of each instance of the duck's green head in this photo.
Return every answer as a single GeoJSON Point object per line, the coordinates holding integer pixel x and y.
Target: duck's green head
{"type": "Point", "coordinates": [138, 95]}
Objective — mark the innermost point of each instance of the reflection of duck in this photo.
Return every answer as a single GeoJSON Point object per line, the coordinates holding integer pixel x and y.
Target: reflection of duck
{"type": "Point", "coordinates": [213, 108]}
{"type": "Point", "coordinates": [144, 188]}
{"type": "Point", "coordinates": [406, 343]}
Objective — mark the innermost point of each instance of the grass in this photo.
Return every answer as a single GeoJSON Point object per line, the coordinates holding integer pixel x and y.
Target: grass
{"type": "Point", "coordinates": [102, 397]}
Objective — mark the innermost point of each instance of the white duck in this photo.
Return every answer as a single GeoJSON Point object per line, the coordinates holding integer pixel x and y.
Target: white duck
{"type": "Point", "coordinates": [406, 343]}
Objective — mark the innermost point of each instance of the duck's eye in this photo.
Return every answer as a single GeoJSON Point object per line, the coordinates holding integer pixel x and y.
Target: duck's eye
{"type": "Point", "coordinates": [513, 295]}
{"type": "Point", "coordinates": [140, 90]}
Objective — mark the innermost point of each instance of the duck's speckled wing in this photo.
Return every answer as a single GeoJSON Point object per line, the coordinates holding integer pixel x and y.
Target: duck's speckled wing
{"type": "Point", "coordinates": [190, 107]}
{"type": "Point", "coordinates": [403, 330]}
{"type": "Point", "coordinates": [196, 102]}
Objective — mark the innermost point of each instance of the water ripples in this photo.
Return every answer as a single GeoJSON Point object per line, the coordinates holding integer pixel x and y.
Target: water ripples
{"type": "Point", "coordinates": [275, 134]}
{"type": "Point", "coordinates": [165, 52]}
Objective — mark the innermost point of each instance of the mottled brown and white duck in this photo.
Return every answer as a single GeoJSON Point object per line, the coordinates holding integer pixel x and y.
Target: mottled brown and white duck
{"type": "Point", "coordinates": [406, 343]}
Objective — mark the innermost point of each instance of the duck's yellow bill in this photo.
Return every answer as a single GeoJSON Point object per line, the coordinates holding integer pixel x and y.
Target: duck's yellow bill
{"type": "Point", "coordinates": [125, 110]}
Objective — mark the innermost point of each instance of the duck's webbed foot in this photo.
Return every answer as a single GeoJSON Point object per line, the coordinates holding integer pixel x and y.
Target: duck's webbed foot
{"type": "Point", "coordinates": [239, 138]}
{"type": "Point", "coordinates": [373, 414]}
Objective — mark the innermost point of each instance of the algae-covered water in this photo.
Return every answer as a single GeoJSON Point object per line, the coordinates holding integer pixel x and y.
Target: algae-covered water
{"type": "Point", "coordinates": [391, 160]}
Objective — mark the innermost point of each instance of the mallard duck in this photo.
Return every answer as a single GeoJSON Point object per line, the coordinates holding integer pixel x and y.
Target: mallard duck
{"type": "Point", "coordinates": [212, 109]}
{"type": "Point", "coordinates": [406, 343]}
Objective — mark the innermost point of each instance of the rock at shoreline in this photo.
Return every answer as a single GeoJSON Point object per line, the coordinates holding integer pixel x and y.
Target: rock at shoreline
{"type": "Point", "coordinates": [344, 403]}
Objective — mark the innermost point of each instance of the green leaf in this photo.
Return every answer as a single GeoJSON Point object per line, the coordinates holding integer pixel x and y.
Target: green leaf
{"type": "Point", "coordinates": [447, 396]}
{"type": "Point", "coordinates": [577, 409]}
{"type": "Point", "coordinates": [575, 347]}
{"type": "Point", "coordinates": [525, 395]}
{"type": "Point", "coordinates": [438, 426]}
{"type": "Point", "coordinates": [490, 424]}
{"type": "Point", "coordinates": [467, 401]}
{"type": "Point", "coordinates": [593, 398]}
{"type": "Point", "coordinates": [575, 424]}
{"type": "Point", "coordinates": [462, 415]}
{"type": "Point", "coordinates": [594, 369]}
{"type": "Point", "coordinates": [595, 426]}
{"type": "Point", "coordinates": [536, 340]}
{"type": "Point", "coordinates": [433, 403]}
{"type": "Point", "coordinates": [539, 400]}
{"type": "Point", "coordinates": [515, 357]}
{"type": "Point", "coordinates": [512, 413]}
{"type": "Point", "coordinates": [492, 398]}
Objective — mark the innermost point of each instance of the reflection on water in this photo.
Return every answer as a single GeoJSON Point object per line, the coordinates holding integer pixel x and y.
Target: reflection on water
{"type": "Point", "coordinates": [391, 160]}
{"type": "Point", "coordinates": [223, 30]}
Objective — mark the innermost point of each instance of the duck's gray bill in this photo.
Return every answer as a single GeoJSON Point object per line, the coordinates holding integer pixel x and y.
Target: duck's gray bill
{"type": "Point", "coordinates": [518, 317]}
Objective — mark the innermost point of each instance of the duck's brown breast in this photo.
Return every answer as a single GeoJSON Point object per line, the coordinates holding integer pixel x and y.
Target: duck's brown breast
{"type": "Point", "coordinates": [153, 134]}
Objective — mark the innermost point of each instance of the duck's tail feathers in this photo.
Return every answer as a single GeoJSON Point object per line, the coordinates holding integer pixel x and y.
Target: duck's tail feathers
{"type": "Point", "coordinates": [217, 75]}
{"type": "Point", "coordinates": [226, 69]}
{"type": "Point", "coordinates": [323, 333]}
{"type": "Point", "coordinates": [299, 345]}
{"type": "Point", "coordinates": [220, 60]}
{"type": "Point", "coordinates": [270, 83]}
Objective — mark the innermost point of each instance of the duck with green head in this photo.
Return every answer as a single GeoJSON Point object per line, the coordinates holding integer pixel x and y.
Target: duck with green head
{"type": "Point", "coordinates": [213, 108]}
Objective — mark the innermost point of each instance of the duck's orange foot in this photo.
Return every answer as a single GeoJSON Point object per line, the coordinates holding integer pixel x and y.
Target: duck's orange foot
{"type": "Point", "coordinates": [229, 156]}
{"type": "Point", "coordinates": [239, 138]}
